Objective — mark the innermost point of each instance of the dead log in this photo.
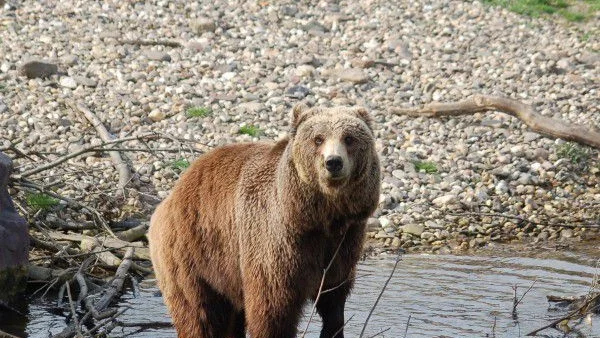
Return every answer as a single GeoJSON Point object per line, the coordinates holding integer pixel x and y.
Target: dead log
{"type": "Point", "coordinates": [133, 234]}
{"type": "Point", "coordinates": [106, 136]}
{"type": "Point", "coordinates": [482, 103]}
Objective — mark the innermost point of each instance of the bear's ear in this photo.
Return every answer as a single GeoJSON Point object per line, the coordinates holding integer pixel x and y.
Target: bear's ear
{"type": "Point", "coordinates": [365, 116]}
{"type": "Point", "coordinates": [298, 115]}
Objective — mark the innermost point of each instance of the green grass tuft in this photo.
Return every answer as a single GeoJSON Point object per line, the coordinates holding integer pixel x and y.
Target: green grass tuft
{"type": "Point", "coordinates": [180, 164]}
{"type": "Point", "coordinates": [40, 201]}
{"type": "Point", "coordinates": [250, 130]}
{"type": "Point", "coordinates": [427, 167]}
{"type": "Point", "coordinates": [564, 8]}
{"type": "Point", "coordinates": [198, 112]}
{"type": "Point", "coordinates": [574, 152]}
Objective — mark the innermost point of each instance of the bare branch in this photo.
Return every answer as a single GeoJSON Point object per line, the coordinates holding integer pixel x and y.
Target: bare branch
{"type": "Point", "coordinates": [398, 259]}
{"type": "Point", "coordinates": [312, 313]}
{"type": "Point", "coordinates": [526, 113]}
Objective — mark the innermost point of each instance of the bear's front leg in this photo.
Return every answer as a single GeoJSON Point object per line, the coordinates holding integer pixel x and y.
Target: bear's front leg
{"type": "Point", "coordinates": [272, 308]}
{"type": "Point", "coordinates": [331, 308]}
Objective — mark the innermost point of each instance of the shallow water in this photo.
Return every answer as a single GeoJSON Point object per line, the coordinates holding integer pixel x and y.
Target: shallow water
{"type": "Point", "coordinates": [445, 296]}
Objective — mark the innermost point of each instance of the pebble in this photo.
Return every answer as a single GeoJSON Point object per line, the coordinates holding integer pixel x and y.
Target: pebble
{"type": "Point", "coordinates": [157, 115]}
{"type": "Point", "coordinates": [203, 25]}
{"type": "Point", "coordinates": [248, 65]}
{"type": "Point", "coordinates": [68, 82]}
{"type": "Point", "coordinates": [297, 92]}
{"type": "Point", "coordinates": [353, 75]}
{"type": "Point", "coordinates": [445, 200]}
{"type": "Point", "coordinates": [413, 229]}
{"type": "Point", "coordinates": [85, 81]}
{"type": "Point", "coordinates": [157, 55]}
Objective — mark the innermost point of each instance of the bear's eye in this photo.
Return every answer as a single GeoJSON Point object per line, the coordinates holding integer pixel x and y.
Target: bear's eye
{"type": "Point", "coordinates": [319, 140]}
{"type": "Point", "coordinates": [349, 140]}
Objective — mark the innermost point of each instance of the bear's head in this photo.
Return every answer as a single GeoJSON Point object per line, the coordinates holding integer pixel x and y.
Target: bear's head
{"type": "Point", "coordinates": [331, 147]}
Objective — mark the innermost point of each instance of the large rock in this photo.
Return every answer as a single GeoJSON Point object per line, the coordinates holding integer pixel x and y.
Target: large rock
{"type": "Point", "coordinates": [14, 238]}
{"type": "Point", "coordinates": [38, 69]}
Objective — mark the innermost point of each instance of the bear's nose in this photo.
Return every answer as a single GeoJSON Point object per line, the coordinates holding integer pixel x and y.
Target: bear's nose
{"type": "Point", "coordinates": [334, 163]}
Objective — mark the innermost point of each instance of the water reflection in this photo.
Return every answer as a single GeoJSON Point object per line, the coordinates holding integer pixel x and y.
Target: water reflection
{"type": "Point", "coordinates": [446, 296]}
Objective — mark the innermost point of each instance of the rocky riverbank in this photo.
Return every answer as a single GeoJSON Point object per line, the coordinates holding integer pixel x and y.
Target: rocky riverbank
{"type": "Point", "coordinates": [203, 75]}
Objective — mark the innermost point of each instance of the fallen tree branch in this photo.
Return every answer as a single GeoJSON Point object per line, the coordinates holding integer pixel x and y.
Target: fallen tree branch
{"type": "Point", "coordinates": [133, 234]}
{"type": "Point", "coordinates": [576, 313]}
{"type": "Point", "coordinates": [526, 113]}
{"type": "Point", "coordinates": [89, 149]}
{"type": "Point", "coordinates": [523, 219]}
{"type": "Point", "coordinates": [71, 202]}
{"type": "Point", "coordinates": [106, 136]}
{"type": "Point", "coordinates": [167, 43]}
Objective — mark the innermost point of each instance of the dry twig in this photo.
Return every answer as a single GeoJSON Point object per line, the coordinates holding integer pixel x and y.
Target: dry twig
{"type": "Point", "coordinates": [312, 313]}
{"type": "Point", "coordinates": [398, 259]}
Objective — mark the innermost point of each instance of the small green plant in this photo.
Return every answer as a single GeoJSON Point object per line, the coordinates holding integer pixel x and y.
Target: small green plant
{"type": "Point", "coordinates": [574, 152]}
{"type": "Point", "coordinates": [198, 112]}
{"type": "Point", "coordinates": [40, 201]}
{"type": "Point", "coordinates": [564, 8]}
{"type": "Point", "coordinates": [180, 164]}
{"type": "Point", "coordinates": [250, 130]}
{"type": "Point", "coordinates": [427, 167]}
{"type": "Point", "coordinates": [2, 88]}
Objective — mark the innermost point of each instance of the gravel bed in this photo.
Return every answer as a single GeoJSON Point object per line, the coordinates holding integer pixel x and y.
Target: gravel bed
{"type": "Point", "coordinates": [446, 181]}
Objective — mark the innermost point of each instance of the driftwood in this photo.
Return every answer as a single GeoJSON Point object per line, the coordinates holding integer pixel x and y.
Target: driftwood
{"type": "Point", "coordinates": [167, 43]}
{"type": "Point", "coordinates": [590, 304]}
{"type": "Point", "coordinates": [106, 136]}
{"type": "Point", "coordinates": [141, 251]}
{"type": "Point", "coordinates": [98, 309]}
{"type": "Point", "coordinates": [526, 113]}
{"type": "Point", "coordinates": [133, 234]}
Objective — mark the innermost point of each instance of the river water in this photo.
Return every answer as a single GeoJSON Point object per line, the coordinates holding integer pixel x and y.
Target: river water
{"type": "Point", "coordinates": [444, 295]}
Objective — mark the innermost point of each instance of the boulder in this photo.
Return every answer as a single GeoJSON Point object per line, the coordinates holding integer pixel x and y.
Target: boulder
{"type": "Point", "coordinates": [14, 238]}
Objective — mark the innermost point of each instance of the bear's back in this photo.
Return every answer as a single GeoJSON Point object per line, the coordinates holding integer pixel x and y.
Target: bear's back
{"type": "Point", "coordinates": [194, 227]}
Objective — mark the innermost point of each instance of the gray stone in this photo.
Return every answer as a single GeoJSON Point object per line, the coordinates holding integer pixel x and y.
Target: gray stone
{"type": "Point", "coordinates": [353, 75]}
{"type": "Point", "coordinates": [68, 82]}
{"type": "Point", "coordinates": [566, 233]}
{"type": "Point", "coordinates": [38, 69]}
{"type": "Point", "coordinates": [373, 224]}
{"type": "Point", "coordinates": [203, 25]}
{"type": "Point", "coordinates": [3, 107]}
{"type": "Point", "coordinates": [530, 136]}
{"type": "Point", "coordinates": [445, 200]}
{"type": "Point", "coordinates": [501, 188]}
{"type": "Point", "coordinates": [297, 92]}
{"type": "Point", "coordinates": [396, 242]}
{"type": "Point", "coordinates": [157, 115]}
{"type": "Point", "coordinates": [413, 229]}
{"type": "Point", "coordinates": [85, 81]}
{"type": "Point", "coordinates": [157, 55]}
{"type": "Point", "coordinates": [289, 10]}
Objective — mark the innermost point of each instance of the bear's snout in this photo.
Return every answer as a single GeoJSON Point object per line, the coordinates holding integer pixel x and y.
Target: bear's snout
{"type": "Point", "coordinates": [334, 164]}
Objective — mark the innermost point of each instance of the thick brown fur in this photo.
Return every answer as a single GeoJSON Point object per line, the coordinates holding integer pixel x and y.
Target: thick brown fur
{"type": "Point", "coordinates": [242, 241]}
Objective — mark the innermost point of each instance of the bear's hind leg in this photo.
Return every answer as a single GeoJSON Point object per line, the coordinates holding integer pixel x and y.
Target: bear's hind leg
{"type": "Point", "coordinates": [237, 325]}
{"type": "Point", "coordinates": [199, 312]}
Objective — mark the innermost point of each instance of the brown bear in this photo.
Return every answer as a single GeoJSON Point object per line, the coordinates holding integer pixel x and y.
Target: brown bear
{"type": "Point", "coordinates": [244, 238]}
